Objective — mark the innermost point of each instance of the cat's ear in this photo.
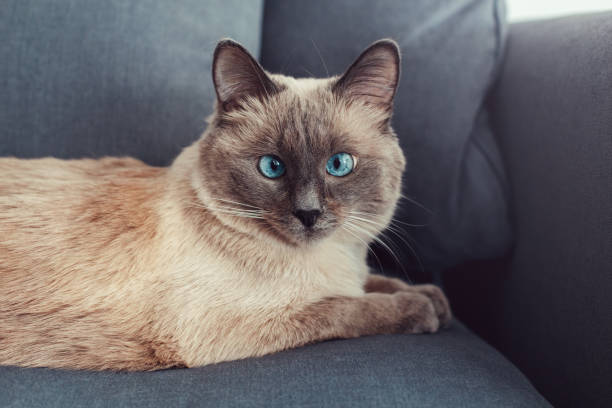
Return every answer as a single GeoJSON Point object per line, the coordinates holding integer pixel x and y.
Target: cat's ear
{"type": "Point", "coordinates": [374, 76]}
{"type": "Point", "coordinates": [237, 75]}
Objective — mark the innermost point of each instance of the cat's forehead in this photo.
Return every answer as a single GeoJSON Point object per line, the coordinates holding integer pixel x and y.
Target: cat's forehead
{"type": "Point", "coordinates": [309, 116]}
{"type": "Point", "coordinates": [305, 118]}
{"type": "Point", "coordinates": [302, 86]}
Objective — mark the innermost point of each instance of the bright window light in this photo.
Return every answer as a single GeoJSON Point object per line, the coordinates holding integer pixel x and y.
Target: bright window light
{"type": "Point", "coordinates": [519, 10]}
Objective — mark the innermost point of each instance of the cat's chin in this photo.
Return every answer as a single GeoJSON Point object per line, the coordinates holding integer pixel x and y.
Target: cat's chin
{"type": "Point", "coordinates": [299, 236]}
{"type": "Point", "coordinates": [310, 238]}
{"type": "Point", "coordinates": [306, 239]}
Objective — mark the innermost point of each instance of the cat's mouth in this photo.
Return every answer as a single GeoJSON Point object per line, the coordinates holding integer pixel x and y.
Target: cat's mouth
{"type": "Point", "coordinates": [295, 233]}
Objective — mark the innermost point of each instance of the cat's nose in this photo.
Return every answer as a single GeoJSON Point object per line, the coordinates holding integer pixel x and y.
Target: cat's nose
{"type": "Point", "coordinates": [307, 217]}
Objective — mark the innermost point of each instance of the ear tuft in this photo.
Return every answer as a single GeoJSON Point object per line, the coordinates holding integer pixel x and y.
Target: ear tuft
{"type": "Point", "coordinates": [237, 75]}
{"type": "Point", "coordinates": [374, 76]}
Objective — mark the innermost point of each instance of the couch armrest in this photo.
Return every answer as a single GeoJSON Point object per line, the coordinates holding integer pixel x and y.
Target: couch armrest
{"type": "Point", "coordinates": [552, 114]}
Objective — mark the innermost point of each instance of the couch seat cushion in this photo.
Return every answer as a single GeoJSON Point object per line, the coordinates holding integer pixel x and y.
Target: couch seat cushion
{"type": "Point", "coordinates": [451, 369]}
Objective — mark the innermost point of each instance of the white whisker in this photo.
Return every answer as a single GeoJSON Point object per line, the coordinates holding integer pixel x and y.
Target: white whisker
{"type": "Point", "coordinates": [373, 237]}
{"type": "Point", "coordinates": [237, 212]}
{"type": "Point", "coordinates": [235, 202]}
{"type": "Point", "coordinates": [393, 219]}
{"type": "Point", "coordinates": [395, 231]}
{"type": "Point", "coordinates": [216, 207]}
{"type": "Point", "coordinates": [370, 250]}
{"type": "Point", "coordinates": [413, 201]}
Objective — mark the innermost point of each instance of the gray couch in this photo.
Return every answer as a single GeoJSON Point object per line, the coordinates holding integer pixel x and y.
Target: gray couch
{"type": "Point", "coordinates": [537, 322]}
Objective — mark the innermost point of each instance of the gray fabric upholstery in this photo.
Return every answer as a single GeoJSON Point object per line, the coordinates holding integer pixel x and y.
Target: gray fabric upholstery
{"type": "Point", "coordinates": [553, 115]}
{"type": "Point", "coordinates": [83, 78]}
{"type": "Point", "coordinates": [450, 369]}
{"type": "Point", "coordinates": [451, 51]}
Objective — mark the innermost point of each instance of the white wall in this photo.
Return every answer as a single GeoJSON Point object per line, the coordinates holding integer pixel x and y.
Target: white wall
{"type": "Point", "coordinates": [519, 10]}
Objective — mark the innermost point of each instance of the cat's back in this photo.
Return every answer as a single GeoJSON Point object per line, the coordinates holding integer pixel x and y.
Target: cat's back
{"type": "Point", "coordinates": [53, 191]}
{"type": "Point", "coordinates": [51, 208]}
{"type": "Point", "coordinates": [55, 176]}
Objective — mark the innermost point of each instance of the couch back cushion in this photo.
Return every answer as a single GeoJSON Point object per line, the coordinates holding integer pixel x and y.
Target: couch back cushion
{"type": "Point", "coordinates": [88, 78]}
{"type": "Point", "coordinates": [451, 51]}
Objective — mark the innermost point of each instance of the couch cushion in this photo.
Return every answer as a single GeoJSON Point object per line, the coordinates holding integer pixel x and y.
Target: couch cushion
{"type": "Point", "coordinates": [451, 51]}
{"type": "Point", "coordinates": [451, 369]}
{"type": "Point", "coordinates": [92, 78]}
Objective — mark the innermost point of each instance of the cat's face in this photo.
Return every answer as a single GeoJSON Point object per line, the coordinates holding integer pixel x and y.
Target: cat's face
{"type": "Point", "coordinates": [302, 159]}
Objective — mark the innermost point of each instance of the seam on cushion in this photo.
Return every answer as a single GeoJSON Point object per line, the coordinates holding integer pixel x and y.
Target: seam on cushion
{"type": "Point", "coordinates": [498, 55]}
{"type": "Point", "coordinates": [499, 172]}
{"type": "Point", "coordinates": [499, 58]}
{"type": "Point", "coordinates": [497, 169]}
{"type": "Point", "coordinates": [498, 30]}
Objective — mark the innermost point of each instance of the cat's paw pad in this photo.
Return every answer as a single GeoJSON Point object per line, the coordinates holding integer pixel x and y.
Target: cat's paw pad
{"type": "Point", "coordinates": [439, 300]}
{"type": "Point", "coordinates": [416, 313]}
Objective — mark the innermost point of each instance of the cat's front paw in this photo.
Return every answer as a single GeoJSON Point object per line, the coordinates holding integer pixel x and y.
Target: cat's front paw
{"type": "Point", "coordinates": [415, 313]}
{"type": "Point", "coordinates": [439, 300]}
{"type": "Point", "coordinates": [383, 284]}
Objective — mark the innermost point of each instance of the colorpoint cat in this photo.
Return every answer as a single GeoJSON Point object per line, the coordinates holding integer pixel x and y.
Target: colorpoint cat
{"type": "Point", "coordinates": [253, 241]}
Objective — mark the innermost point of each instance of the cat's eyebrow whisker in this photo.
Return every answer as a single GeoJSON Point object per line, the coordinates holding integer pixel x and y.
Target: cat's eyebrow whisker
{"type": "Point", "coordinates": [320, 56]}
{"type": "Point", "coordinates": [308, 72]}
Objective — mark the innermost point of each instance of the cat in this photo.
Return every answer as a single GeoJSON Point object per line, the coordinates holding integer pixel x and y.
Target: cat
{"type": "Point", "coordinates": [253, 241]}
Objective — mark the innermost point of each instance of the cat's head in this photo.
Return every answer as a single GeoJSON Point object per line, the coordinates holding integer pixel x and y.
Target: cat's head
{"type": "Point", "coordinates": [299, 160]}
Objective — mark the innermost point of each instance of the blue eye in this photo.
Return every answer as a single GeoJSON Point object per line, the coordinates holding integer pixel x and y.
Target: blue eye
{"type": "Point", "coordinates": [340, 164]}
{"type": "Point", "coordinates": [271, 166]}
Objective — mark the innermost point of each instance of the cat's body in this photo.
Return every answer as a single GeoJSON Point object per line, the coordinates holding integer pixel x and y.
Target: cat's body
{"type": "Point", "coordinates": [96, 251]}
{"type": "Point", "coordinates": [113, 264]}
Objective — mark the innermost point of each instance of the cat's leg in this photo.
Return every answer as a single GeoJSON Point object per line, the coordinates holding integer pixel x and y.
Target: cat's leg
{"type": "Point", "coordinates": [339, 317]}
{"type": "Point", "coordinates": [372, 313]}
{"type": "Point", "coordinates": [382, 284]}
{"type": "Point", "coordinates": [349, 317]}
